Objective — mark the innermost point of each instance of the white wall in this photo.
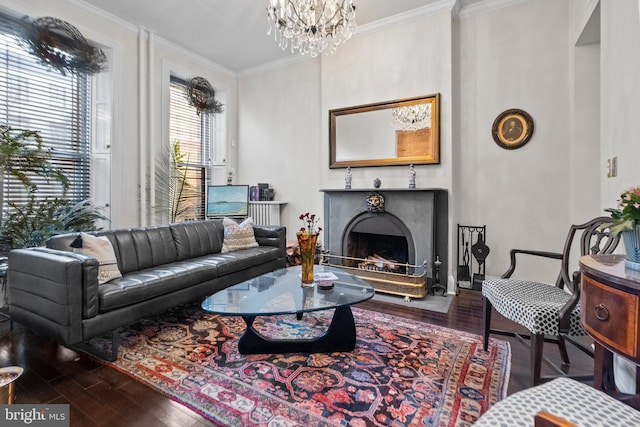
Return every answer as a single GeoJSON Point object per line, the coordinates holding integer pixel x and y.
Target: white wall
{"type": "Point", "coordinates": [280, 139]}
{"type": "Point", "coordinates": [522, 195]}
{"type": "Point", "coordinates": [620, 95]}
{"type": "Point", "coordinates": [402, 61]}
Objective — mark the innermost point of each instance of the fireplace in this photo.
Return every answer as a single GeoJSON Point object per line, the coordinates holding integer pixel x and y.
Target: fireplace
{"type": "Point", "coordinates": [389, 237]}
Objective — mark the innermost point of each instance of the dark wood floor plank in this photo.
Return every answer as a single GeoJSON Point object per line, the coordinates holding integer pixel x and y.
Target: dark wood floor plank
{"type": "Point", "coordinates": [92, 407]}
{"type": "Point", "coordinates": [126, 406]}
{"type": "Point", "coordinates": [31, 388]}
{"type": "Point", "coordinates": [170, 412]}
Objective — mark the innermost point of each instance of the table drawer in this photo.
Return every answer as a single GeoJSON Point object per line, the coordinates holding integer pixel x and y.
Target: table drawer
{"type": "Point", "coordinates": [610, 316]}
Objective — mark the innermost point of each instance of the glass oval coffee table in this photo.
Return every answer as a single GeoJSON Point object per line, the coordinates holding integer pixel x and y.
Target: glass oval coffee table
{"type": "Point", "coordinates": [279, 293]}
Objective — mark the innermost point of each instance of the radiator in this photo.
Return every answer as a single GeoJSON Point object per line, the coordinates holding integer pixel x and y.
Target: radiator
{"type": "Point", "coordinates": [265, 213]}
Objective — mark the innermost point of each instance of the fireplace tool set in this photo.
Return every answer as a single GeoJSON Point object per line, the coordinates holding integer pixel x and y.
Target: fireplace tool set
{"type": "Point", "coordinates": [472, 252]}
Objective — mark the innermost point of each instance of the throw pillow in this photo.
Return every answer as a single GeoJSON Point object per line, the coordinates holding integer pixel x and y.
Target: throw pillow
{"type": "Point", "coordinates": [101, 249]}
{"type": "Point", "coordinates": [238, 236]}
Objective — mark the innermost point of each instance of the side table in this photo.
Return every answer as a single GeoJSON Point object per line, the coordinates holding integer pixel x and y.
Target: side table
{"type": "Point", "coordinates": [610, 301]}
{"type": "Point", "coordinates": [7, 377]}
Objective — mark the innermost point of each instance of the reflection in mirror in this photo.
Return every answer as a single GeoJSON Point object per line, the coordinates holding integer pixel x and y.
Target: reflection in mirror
{"type": "Point", "coordinates": [397, 132]}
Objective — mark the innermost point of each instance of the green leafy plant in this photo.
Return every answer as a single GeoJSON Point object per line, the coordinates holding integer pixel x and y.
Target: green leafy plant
{"type": "Point", "coordinates": [77, 216]}
{"type": "Point", "coordinates": [23, 156]}
{"type": "Point", "coordinates": [32, 224]}
{"type": "Point", "coordinates": [176, 196]}
{"type": "Point", "coordinates": [626, 216]}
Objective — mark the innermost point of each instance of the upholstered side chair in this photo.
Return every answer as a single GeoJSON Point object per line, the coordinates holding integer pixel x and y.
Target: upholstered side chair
{"type": "Point", "coordinates": [562, 402]}
{"type": "Point", "coordinates": [550, 312]}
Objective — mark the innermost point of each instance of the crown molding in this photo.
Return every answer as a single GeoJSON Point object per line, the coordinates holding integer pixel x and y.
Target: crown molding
{"type": "Point", "coordinates": [484, 6]}
{"type": "Point", "coordinates": [195, 57]}
{"type": "Point", "coordinates": [104, 15]}
{"type": "Point", "coordinates": [275, 65]}
{"type": "Point", "coordinates": [432, 9]}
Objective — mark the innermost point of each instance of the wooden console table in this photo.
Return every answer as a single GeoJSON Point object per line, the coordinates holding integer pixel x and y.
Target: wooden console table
{"type": "Point", "coordinates": [610, 301]}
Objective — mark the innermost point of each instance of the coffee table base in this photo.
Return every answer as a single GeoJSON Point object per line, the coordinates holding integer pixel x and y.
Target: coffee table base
{"type": "Point", "coordinates": [340, 336]}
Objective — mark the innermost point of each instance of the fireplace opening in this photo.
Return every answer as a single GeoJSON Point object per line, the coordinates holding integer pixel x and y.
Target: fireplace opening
{"type": "Point", "coordinates": [379, 252]}
{"type": "Point", "coordinates": [378, 241]}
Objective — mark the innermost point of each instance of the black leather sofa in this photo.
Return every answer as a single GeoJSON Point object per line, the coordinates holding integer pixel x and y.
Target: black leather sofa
{"type": "Point", "coordinates": [55, 292]}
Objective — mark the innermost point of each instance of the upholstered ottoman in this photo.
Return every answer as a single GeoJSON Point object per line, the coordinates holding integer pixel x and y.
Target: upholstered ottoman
{"type": "Point", "coordinates": [574, 401]}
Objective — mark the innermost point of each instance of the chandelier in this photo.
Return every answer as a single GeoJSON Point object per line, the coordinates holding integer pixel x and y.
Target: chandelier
{"type": "Point", "coordinates": [412, 117]}
{"type": "Point", "coordinates": [311, 26]}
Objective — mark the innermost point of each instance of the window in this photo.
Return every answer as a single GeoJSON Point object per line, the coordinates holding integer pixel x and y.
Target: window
{"type": "Point", "coordinates": [192, 133]}
{"type": "Point", "coordinates": [57, 106]}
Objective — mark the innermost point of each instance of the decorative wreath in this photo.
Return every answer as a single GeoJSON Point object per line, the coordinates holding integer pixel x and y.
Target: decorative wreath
{"type": "Point", "coordinates": [202, 96]}
{"type": "Point", "coordinates": [60, 45]}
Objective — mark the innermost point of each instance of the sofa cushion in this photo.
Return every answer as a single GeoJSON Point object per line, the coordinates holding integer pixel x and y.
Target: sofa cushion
{"type": "Point", "coordinates": [232, 262]}
{"type": "Point", "coordinates": [101, 249]}
{"type": "Point", "coordinates": [238, 236]}
{"type": "Point", "coordinates": [152, 282]}
{"type": "Point", "coordinates": [197, 238]}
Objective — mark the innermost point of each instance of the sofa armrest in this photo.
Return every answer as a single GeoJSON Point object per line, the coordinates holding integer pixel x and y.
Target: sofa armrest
{"type": "Point", "coordinates": [271, 235]}
{"type": "Point", "coordinates": [52, 291]}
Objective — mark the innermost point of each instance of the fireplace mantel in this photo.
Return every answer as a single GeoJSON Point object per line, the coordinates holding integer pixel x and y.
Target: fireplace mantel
{"type": "Point", "coordinates": [381, 190]}
{"type": "Point", "coordinates": [424, 211]}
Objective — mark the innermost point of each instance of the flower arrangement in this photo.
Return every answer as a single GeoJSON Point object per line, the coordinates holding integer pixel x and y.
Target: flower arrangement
{"type": "Point", "coordinates": [309, 220]}
{"type": "Point", "coordinates": [626, 216]}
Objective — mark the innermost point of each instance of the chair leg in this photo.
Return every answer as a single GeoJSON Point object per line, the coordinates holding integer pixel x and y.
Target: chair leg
{"type": "Point", "coordinates": [562, 345]}
{"type": "Point", "coordinates": [537, 344]}
{"type": "Point", "coordinates": [486, 305]}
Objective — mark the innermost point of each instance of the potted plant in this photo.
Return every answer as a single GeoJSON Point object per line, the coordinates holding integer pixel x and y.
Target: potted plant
{"type": "Point", "coordinates": [626, 222]}
{"type": "Point", "coordinates": [24, 157]}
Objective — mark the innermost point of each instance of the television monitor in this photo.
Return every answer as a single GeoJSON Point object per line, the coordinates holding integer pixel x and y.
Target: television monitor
{"type": "Point", "coordinates": [227, 200]}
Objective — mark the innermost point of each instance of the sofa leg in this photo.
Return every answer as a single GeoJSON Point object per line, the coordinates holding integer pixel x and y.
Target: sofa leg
{"type": "Point", "coordinates": [110, 355]}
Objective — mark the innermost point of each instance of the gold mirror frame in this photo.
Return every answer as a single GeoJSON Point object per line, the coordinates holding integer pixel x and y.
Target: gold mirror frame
{"type": "Point", "coordinates": [417, 147]}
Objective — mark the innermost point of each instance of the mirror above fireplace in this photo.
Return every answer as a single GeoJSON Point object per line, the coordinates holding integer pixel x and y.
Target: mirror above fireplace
{"type": "Point", "coordinates": [400, 132]}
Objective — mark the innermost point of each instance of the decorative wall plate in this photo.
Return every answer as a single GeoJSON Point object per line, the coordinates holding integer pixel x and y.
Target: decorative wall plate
{"type": "Point", "coordinates": [512, 129]}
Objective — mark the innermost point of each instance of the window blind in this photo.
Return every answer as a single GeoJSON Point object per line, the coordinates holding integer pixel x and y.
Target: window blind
{"type": "Point", "coordinates": [193, 132]}
{"type": "Point", "coordinates": [37, 98]}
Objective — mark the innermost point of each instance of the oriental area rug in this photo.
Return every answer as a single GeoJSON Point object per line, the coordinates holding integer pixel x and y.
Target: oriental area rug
{"type": "Point", "coordinates": [402, 372]}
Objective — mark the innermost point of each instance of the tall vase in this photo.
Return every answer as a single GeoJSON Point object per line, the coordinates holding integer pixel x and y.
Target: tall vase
{"type": "Point", "coordinates": [632, 248]}
{"type": "Point", "coordinates": [307, 244]}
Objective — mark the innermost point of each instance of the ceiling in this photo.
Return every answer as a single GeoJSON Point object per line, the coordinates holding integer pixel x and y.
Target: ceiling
{"type": "Point", "coordinates": [232, 33]}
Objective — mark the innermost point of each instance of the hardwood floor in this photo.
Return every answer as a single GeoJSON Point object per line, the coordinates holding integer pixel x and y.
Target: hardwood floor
{"type": "Point", "coordinates": [101, 396]}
